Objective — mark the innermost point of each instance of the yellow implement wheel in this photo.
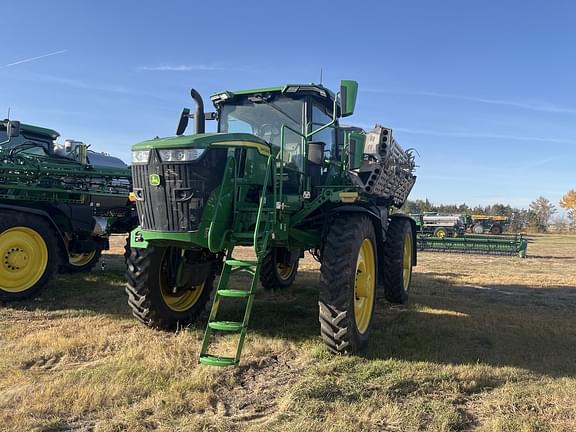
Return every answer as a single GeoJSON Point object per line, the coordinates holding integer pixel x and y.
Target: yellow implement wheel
{"type": "Point", "coordinates": [440, 233]}
{"type": "Point", "coordinates": [81, 259]}
{"type": "Point", "coordinates": [24, 257]}
{"type": "Point", "coordinates": [81, 262]}
{"type": "Point", "coordinates": [364, 286]}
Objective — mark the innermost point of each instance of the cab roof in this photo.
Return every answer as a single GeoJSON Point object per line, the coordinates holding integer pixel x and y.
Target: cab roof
{"type": "Point", "coordinates": [312, 89]}
{"type": "Point", "coordinates": [34, 130]}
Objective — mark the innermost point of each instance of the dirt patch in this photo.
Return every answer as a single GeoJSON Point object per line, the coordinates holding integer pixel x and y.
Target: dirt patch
{"type": "Point", "coordinates": [251, 392]}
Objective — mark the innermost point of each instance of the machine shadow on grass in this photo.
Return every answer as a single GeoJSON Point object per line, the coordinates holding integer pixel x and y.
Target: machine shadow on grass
{"type": "Point", "coordinates": [447, 323]}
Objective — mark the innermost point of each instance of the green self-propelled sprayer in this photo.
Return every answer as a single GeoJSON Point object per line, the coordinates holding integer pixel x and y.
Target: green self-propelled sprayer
{"type": "Point", "coordinates": [281, 175]}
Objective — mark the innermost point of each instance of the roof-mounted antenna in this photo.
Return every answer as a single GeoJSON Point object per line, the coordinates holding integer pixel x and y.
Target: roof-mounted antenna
{"type": "Point", "coordinates": [320, 76]}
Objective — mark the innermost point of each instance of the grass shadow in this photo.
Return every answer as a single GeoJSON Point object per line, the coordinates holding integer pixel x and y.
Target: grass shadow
{"type": "Point", "coordinates": [500, 325]}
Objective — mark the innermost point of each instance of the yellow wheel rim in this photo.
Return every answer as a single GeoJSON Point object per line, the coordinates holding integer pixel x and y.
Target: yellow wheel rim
{"type": "Point", "coordinates": [179, 302]}
{"type": "Point", "coordinates": [364, 286]}
{"type": "Point", "coordinates": [78, 260]}
{"type": "Point", "coordinates": [23, 259]}
{"type": "Point", "coordinates": [407, 260]}
{"type": "Point", "coordinates": [285, 271]}
{"type": "Point", "coordinates": [441, 234]}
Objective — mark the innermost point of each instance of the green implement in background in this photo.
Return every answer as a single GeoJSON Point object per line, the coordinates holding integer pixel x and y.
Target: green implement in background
{"type": "Point", "coordinates": [476, 244]}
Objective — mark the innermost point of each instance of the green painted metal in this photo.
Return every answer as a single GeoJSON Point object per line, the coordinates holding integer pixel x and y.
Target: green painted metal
{"type": "Point", "coordinates": [199, 141]}
{"type": "Point", "coordinates": [263, 200]}
{"type": "Point", "coordinates": [260, 237]}
{"type": "Point", "coordinates": [495, 245]}
{"type": "Point", "coordinates": [348, 93]}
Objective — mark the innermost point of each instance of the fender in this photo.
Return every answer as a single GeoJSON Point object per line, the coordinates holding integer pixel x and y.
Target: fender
{"type": "Point", "coordinates": [42, 214]}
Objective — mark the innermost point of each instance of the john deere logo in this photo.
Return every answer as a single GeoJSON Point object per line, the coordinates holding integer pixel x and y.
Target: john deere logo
{"type": "Point", "coordinates": [154, 179]}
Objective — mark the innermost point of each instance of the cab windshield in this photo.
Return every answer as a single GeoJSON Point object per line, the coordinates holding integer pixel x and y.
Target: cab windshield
{"type": "Point", "coordinates": [263, 116]}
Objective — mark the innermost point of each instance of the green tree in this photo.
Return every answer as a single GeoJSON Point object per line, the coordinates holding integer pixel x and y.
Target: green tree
{"type": "Point", "coordinates": [542, 210]}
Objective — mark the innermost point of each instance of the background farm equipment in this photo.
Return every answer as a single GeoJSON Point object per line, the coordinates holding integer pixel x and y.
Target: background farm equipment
{"type": "Point", "coordinates": [482, 224]}
{"type": "Point", "coordinates": [282, 176]}
{"type": "Point", "coordinates": [476, 244]}
{"type": "Point", "coordinates": [439, 225]}
{"type": "Point", "coordinates": [58, 205]}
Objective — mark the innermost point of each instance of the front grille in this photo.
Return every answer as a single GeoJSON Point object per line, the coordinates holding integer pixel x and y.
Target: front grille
{"type": "Point", "coordinates": [176, 205]}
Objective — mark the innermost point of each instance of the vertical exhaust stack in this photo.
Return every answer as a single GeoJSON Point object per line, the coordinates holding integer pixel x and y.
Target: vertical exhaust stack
{"type": "Point", "coordinates": [199, 117]}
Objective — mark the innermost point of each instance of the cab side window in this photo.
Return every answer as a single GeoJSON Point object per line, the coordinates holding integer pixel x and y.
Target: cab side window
{"type": "Point", "coordinates": [320, 117]}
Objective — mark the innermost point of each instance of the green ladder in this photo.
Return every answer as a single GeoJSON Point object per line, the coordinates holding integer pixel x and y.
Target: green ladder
{"type": "Point", "coordinates": [259, 237]}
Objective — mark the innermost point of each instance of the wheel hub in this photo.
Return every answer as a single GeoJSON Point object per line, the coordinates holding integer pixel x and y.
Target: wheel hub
{"type": "Point", "coordinates": [15, 259]}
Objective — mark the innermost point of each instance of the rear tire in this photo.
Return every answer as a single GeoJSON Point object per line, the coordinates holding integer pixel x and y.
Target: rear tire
{"type": "Point", "coordinates": [81, 263]}
{"type": "Point", "coordinates": [276, 274]}
{"type": "Point", "coordinates": [397, 262]}
{"type": "Point", "coordinates": [149, 295]}
{"type": "Point", "coordinates": [347, 284]}
{"type": "Point", "coordinates": [29, 255]}
{"type": "Point", "coordinates": [496, 230]}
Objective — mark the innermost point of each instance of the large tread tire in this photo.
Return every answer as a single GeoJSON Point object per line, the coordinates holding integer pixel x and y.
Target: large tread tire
{"type": "Point", "coordinates": [48, 235]}
{"type": "Point", "coordinates": [144, 292]}
{"type": "Point", "coordinates": [338, 326]}
{"type": "Point", "coordinates": [496, 229]}
{"type": "Point", "coordinates": [270, 276]}
{"type": "Point", "coordinates": [84, 268]}
{"type": "Point", "coordinates": [395, 288]}
{"type": "Point", "coordinates": [478, 229]}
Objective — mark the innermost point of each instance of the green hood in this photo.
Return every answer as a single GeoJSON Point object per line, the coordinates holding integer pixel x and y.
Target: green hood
{"type": "Point", "coordinates": [203, 141]}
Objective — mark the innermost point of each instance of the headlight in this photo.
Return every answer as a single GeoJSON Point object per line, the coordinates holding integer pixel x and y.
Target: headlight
{"type": "Point", "coordinates": [180, 155]}
{"type": "Point", "coordinates": [140, 156]}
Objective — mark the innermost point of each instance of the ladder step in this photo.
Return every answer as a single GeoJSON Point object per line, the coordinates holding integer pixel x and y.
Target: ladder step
{"type": "Point", "coordinates": [212, 360]}
{"type": "Point", "coordinates": [231, 326]}
{"type": "Point", "coordinates": [243, 270]}
{"type": "Point", "coordinates": [241, 263]}
{"type": "Point", "coordinates": [233, 293]}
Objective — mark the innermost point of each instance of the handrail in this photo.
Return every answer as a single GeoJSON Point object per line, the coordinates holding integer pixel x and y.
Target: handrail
{"type": "Point", "coordinates": [218, 204]}
{"type": "Point", "coordinates": [261, 205]}
{"type": "Point", "coordinates": [282, 136]}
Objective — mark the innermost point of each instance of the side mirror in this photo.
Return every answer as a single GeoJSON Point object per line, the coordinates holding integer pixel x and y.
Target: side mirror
{"type": "Point", "coordinates": [348, 93]}
{"type": "Point", "coordinates": [183, 123]}
{"type": "Point", "coordinates": [12, 129]}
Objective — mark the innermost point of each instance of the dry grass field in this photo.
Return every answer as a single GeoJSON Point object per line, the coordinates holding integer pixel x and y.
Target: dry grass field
{"type": "Point", "coordinates": [486, 343]}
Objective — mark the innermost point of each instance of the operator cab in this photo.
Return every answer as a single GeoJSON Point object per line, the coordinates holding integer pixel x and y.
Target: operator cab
{"type": "Point", "coordinates": [285, 114]}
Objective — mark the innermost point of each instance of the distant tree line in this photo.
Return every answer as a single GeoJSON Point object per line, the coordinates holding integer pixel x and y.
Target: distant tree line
{"type": "Point", "coordinates": [538, 217]}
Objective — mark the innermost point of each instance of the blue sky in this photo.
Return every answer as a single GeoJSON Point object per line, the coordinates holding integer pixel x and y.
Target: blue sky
{"type": "Point", "coordinates": [485, 91]}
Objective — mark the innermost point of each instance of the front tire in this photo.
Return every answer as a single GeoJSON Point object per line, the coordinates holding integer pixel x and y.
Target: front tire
{"type": "Point", "coordinates": [29, 255]}
{"type": "Point", "coordinates": [397, 262]}
{"type": "Point", "coordinates": [348, 284]}
{"type": "Point", "coordinates": [150, 289]}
